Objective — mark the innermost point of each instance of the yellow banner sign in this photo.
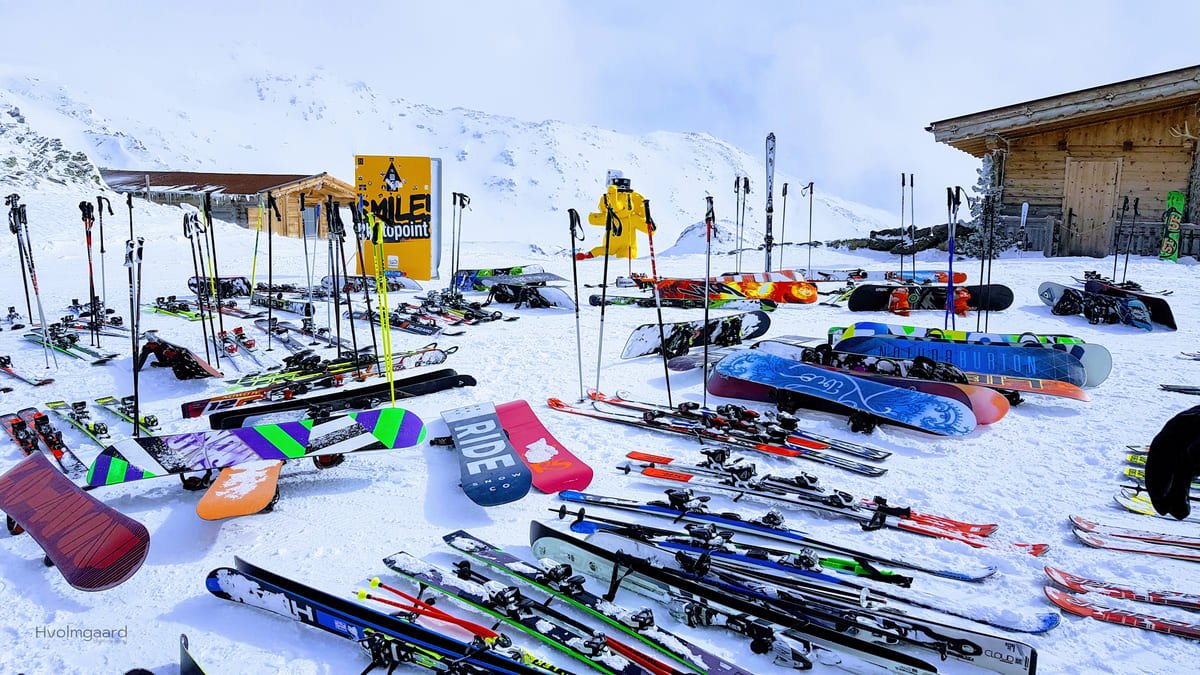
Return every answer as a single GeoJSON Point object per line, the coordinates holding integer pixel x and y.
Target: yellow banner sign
{"type": "Point", "coordinates": [398, 193]}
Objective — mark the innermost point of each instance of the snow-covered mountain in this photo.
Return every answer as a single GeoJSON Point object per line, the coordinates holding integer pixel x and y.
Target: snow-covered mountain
{"type": "Point", "coordinates": [522, 176]}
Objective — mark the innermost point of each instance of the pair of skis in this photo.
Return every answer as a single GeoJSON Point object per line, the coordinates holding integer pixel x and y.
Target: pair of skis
{"type": "Point", "coordinates": [1079, 599]}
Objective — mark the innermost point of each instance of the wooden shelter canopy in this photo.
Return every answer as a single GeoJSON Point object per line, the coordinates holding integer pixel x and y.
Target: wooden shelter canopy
{"type": "Point", "coordinates": [192, 182]}
{"type": "Point", "coordinates": [977, 133]}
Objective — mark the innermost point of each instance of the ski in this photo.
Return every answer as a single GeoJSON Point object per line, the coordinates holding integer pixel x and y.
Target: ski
{"type": "Point", "coordinates": [873, 521]}
{"type": "Point", "coordinates": [702, 434]}
{"type": "Point", "coordinates": [1081, 605]}
{"type": "Point", "coordinates": [1080, 584]}
{"type": "Point", "coordinates": [683, 505]}
{"type": "Point", "coordinates": [80, 417]}
{"type": "Point", "coordinates": [1081, 523]}
{"type": "Point", "coordinates": [123, 408]}
{"type": "Point", "coordinates": [769, 427]}
{"type": "Point", "coordinates": [739, 472]}
{"type": "Point", "coordinates": [560, 581]}
{"type": "Point", "coordinates": [1137, 546]}
{"type": "Point", "coordinates": [401, 321]}
{"type": "Point", "coordinates": [817, 623]}
{"type": "Point", "coordinates": [171, 306]}
{"type": "Point", "coordinates": [227, 287]}
{"type": "Point", "coordinates": [536, 618]}
{"type": "Point", "coordinates": [307, 329]}
{"type": "Point", "coordinates": [66, 341]}
{"type": "Point", "coordinates": [761, 567]}
{"type": "Point", "coordinates": [277, 301]}
{"type": "Point", "coordinates": [361, 398]}
{"type": "Point", "coordinates": [6, 367]}
{"type": "Point", "coordinates": [71, 467]}
{"type": "Point", "coordinates": [389, 640]}
{"type": "Point", "coordinates": [739, 304]}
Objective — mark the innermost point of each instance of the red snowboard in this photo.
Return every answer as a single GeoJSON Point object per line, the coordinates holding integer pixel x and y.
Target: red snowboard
{"type": "Point", "coordinates": [94, 546]}
{"type": "Point", "coordinates": [554, 467]}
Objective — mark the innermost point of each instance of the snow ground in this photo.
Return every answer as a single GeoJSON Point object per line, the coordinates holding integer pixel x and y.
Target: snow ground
{"type": "Point", "coordinates": [1049, 458]}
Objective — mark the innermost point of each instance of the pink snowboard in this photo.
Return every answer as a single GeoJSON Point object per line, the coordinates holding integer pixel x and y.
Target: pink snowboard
{"type": "Point", "coordinates": [554, 467]}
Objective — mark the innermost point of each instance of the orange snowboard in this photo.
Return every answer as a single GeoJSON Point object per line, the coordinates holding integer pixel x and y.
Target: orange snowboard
{"type": "Point", "coordinates": [241, 490]}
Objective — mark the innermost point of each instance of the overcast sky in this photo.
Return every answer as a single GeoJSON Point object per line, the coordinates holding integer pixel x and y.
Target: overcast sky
{"type": "Point", "coordinates": [847, 87]}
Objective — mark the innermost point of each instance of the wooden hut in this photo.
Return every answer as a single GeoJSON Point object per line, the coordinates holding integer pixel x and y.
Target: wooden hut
{"type": "Point", "coordinates": [1076, 158]}
{"type": "Point", "coordinates": [236, 197]}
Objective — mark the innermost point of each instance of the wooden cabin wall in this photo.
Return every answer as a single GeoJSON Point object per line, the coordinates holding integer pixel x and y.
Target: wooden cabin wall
{"type": "Point", "coordinates": [1155, 163]}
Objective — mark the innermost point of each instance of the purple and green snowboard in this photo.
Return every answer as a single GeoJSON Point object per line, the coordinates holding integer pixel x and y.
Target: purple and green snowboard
{"type": "Point", "coordinates": [151, 456]}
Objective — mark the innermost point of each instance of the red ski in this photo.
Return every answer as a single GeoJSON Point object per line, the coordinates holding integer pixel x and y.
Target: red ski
{"type": "Point", "coordinates": [1080, 605]}
{"type": "Point", "coordinates": [1147, 536]}
{"type": "Point", "coordinates": [1080, 584]}
{"type": "Point", "coordinates": [554, 467]}
{"type": "Point", "coordinates": [94, 546]}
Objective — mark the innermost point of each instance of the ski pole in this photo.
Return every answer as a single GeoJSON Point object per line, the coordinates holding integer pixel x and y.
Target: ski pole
{"type": "Point", "coordinates": [745, 198]}
{"type": "Point", "coordinates": [709, 219]}
{"type": "Point", "coordinates": [16, 213]}
{"type": "Point", "coordinates": [337, 229]}
{"type": "Point", "coordinates": [87, 214]}
{"type": "Point", "coordinates": [19, 224]}
{"type": "Point", "coordinates": [272, 210]}
{"type": "Point", "coordinates": [1117, 235]}
{"type": "Point", "coordinates": [737, 221]}
{"type": "Point", "coordinates": [811, 189]}
{"type": "Point", "coordinates": [189, 231]}
{"type": "Point", "coordinates": [903, 187]}
{"type": "Point", "coordinates": [133, 259]}
{"type": "Point", "coordinates": [360, 234]}
{"type": "Point", "coordinates": [952, 203]}
{"type": "Point", "coordinates": [912, 218]}
{"type": "Point", "coordinates": [783, 228]}
{"type": "Point", "coordinates": [201, 239]}
{"type": "Point", "coordinates": [662, 336]}
{"type": "Point", "coordinates": [609, 227]}
{"type": "Point", "coordinates": [1129, 240]}
{"type": "Point", "coordinates": [333, 272]}
{"type": "Point", "coordinates": [101, 202]}
{"type": "Point", "coordinates": [577, 235]}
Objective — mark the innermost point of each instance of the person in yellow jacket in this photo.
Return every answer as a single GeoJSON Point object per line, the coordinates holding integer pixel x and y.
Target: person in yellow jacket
{"type": "Point", "coordinates": [629, 218]}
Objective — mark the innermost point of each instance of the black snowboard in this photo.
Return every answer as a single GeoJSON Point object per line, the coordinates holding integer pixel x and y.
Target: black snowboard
{"type": "Point", "coordinates": [874, 297]}
{"type": "Point", "coordinates": [1160, 311]}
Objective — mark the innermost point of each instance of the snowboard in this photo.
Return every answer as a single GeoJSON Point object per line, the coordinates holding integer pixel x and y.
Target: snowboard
{"type": "Point", "coordinates": [187, 664]}
{"type": "Point", "coordinates": [994, 359]}
{"type": "Point", "coordinates": [491, 468]}
{"type": "Point", "coordinates": [911, 408]}
{"type": "Point", "coordinates": [182, 361]}
{"type": "Point", "coordinates": [282, 304]}
{"type": "Point", "coordinates": [148, 457]}
{"type": "Point", "coordinates": [471, 280]}
{"type": "Point", "coordinates": [356, 284]}
{"type": "Point", "coordinates": [875, 297]}
{"type": "Point", "coordinates": [1172, 218]}
{"type": "Point", "coordinates": [988, 405]}
{"type": "Point", "coordinates": [1064, 301]}
{"type": "Point", "coordinates": [94, 546]}
{"type": "Point", "coordinates": [526, 279]}
{"type": "Point", "coordinates": [554, 467]}
{"type": "Point", "coordinates": [227, 287]}
{"type": "Point", "coordinates": [241, 490]}
{"type": "Point", "coordinates": [844, 275]}
{"type": "Point", "coordinates": [1095, 359]}
{"type": "Point", "coordinates": [724, 288]}
{"type": "Point", "coordinates": [740, 304]}
{"type": "Point", "coordinates": [1160, 310]}
{"type": "Point", "coordinates": [681, 337]}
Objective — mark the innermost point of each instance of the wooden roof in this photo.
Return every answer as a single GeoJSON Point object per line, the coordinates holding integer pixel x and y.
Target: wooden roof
{"type": "Point", "coordinates": [228, 184]}
{"type": "Point", "coordinates": [971, 133]}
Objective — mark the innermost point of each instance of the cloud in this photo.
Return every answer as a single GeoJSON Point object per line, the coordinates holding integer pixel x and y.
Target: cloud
{"type": "Point", "coordinates": [847, 88]}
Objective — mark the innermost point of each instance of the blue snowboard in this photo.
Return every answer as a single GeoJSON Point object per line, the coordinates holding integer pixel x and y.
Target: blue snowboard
{"type": "Point", "coordinates": [903, 406]}
{"type": "Point", "coordinates": [991, 359]}
{"type": "Point", "coordinates": [492, 471]}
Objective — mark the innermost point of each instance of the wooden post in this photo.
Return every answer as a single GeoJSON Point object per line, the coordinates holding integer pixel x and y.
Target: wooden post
{"type": "Point", "coordinates": [1191, 212]}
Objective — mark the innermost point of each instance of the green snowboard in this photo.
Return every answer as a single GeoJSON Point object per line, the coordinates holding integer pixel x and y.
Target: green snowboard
{"type": "Point", "coordinates": [1172, 217]}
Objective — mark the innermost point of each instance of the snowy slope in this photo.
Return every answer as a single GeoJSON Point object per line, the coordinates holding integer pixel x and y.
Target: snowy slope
{"type": "Point", "coordinates": [1048, 459]}
{"type": "Point", "coordinates": [522, 175]}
